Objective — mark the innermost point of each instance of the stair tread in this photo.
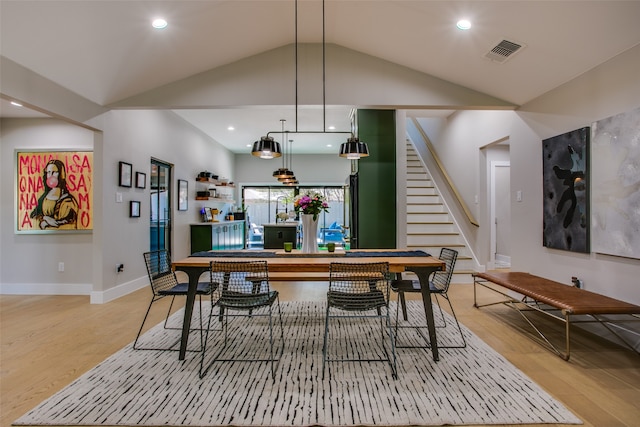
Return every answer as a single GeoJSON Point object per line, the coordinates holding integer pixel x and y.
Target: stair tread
{"type": "Point", "coordinates": [418, 178]}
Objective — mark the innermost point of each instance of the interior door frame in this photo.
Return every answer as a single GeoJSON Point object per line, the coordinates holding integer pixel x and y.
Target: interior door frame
{"type": "Point", "coordinates": [494, 164]}
{"type": "Point", "coordinates": [168, 228]}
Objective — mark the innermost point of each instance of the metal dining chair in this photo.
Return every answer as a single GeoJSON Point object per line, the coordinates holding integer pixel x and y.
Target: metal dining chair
{"type": "Point", "coordinates": [439, 283]}
{"type": "Point", "coordinates": [164, 283]}
{"type": "Point", "coordinates": [359, 291]}
{"type": "Point", "coordinates": [242, 292]}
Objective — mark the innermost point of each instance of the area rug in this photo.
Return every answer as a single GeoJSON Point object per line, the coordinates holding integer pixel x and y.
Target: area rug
{"type": "Point", "coordinates": [474, 385]}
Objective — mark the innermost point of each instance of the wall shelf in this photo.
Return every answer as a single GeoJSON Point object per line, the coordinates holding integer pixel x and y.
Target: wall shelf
{"type": "Point", "coordinates": [216, 183]}
{"type": "Point", "coordinates": [207, 184]}
{"type": "Point", "coordinates": [215, 199]}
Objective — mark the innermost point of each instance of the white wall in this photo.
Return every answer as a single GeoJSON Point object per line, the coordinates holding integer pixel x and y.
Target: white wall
{"type": "Point", "coordinates": [136, 137]}
{"type": "Point", "coordinates": [29, 262]}
{"type": "Point", "coordinates": [90, 259]}
{"type": "Point", "coordinates": [612, 88]}
{"type": "Point", "coordinates": [310, 169]}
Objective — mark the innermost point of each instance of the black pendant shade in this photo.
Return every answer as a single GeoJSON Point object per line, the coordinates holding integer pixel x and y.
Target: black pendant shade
{"type": "Point", "coordinates": [266, 148]}
{"type": "Point", "coordinates": [353, 149]}
{"type": "Point", "coordinates": [283, 173]}
{"type": "Point", "coordinates": [280, 173]}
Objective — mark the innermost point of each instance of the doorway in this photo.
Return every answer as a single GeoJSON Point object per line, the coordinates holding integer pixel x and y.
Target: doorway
{"type": "Point", "coordinates": [500, 214]}
{"type": "Point", "coordinates": [160, 203]}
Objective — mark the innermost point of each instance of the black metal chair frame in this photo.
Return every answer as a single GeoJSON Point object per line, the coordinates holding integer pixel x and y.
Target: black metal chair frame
{"type": "Point", "coordinates": [243, 287]}
{"type": "Point", "coordinates": [363, 288]}
{"type": "Point", "coordinates": [439, 283]}
{"type": "Point", "coordinates": [164, 283]}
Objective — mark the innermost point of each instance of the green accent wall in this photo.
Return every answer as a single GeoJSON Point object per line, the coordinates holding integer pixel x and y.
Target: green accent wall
{"type": "Point", "coordinates": [377, 180]}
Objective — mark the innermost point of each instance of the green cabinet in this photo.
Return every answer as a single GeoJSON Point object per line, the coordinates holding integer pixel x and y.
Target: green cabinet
{"type": "Point", "coordinates": [217, 236]}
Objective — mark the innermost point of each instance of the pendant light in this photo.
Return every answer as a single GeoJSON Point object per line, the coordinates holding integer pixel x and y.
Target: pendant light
{"type": "Point", "coordinates": [354, 149]}
{"type": "Point", "coordinates": [283, 172]}
{"type": "Point", "coordinates": [289, 178]}
{"type": "Point", "coordinates": [266, 148]}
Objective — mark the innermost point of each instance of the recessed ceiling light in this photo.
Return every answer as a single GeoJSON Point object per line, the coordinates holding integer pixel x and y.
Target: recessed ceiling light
{"type": "Point", "coordinates": [17, 104]}
{"type": "Point", "coordinates": [332, 127]}
{"type": "Point", "coordinates": [159, 23]}
{"type": "Point", "coordinates": [231, 128]}
{"type": "Point", "coordinates": [329, 145]}
{"type": "Point", "coordinates": [463, 24]}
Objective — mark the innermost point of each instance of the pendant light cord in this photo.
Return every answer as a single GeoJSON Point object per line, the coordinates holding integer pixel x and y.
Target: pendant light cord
{"type": "Point", "coordinates": [324, 90]}
{"type": "Point", "coordinates": [296, 60]}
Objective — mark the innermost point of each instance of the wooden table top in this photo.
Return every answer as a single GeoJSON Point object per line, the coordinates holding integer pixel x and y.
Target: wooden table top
{"type": "Point", "coordinates": [317, 263]}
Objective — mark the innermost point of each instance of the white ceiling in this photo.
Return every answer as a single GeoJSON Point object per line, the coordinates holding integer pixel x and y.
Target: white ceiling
{"type": "Point", "coordinates": [106, 51]}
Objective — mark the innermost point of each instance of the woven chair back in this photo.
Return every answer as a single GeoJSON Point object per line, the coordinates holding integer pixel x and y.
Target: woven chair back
{"type": "Point", "coordinates": [241, 284]}
{"type": "Point", "coordinates": [358, 286]}
{"type": "Point", "coordinates": [161, 276]}
{"type": "Point", "coordinates": [441, 280]}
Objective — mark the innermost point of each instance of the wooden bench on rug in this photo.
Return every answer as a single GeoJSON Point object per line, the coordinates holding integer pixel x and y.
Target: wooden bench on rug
{"type": "Point", "coordinates": [546, 296]}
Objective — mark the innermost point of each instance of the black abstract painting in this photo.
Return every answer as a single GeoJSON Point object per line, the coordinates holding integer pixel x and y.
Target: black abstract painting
{"type": "Point", "coordinates": [565, 177]}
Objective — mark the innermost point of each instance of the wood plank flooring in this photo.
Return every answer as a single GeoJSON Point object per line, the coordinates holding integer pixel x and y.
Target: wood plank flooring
{"type": "Point", "coordinates": [48, 341]}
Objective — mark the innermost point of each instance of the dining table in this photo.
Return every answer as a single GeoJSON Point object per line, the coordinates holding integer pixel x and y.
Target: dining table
{"type": "Point", "coordinates": [418, 262]}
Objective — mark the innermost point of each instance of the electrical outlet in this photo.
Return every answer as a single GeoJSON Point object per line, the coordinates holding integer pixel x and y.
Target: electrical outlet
{"type": "Point", "coordinates": [61, 266]}
{"type": "Point", "coordinates": [577, 282]}
{"type": "Point", "coordinates": [119, 268]}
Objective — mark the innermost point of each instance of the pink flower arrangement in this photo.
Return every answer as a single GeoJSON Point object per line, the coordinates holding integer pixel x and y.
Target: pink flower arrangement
{"type": "Point", "coordinates": [310, 203]}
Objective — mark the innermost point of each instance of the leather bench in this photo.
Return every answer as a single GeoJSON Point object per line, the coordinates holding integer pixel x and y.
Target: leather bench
{"type": "Point", "coordinates": [544, 296]}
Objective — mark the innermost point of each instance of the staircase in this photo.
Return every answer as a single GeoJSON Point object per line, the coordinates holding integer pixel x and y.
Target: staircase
{"type": "Point", "coordinates": [430, 227]}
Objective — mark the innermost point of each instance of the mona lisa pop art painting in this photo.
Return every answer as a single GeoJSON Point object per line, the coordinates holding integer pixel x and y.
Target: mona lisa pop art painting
{"type": "Point", "coordinates": [54, 191]}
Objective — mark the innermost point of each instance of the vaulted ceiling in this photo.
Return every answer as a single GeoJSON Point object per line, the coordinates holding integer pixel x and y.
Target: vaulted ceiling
{"type": "Point", "coordinates": [107, 51]}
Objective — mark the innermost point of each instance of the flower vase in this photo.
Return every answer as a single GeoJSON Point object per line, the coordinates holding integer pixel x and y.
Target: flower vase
{"type": "Point", "coordinates": [309, 233]}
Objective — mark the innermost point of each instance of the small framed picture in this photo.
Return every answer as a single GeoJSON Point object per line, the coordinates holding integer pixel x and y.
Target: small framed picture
{"type": "Point", "coordinates": [183, 195]}
{"type": "Point", "coordinates": [124, 176]}
{"type": "Point", "coordinates": [141, 180]}
{"type": "Point", "coordinates": [134, 209]}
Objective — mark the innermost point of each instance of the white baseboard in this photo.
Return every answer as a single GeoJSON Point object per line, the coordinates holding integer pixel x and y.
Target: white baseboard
{"type": "Point", "coordinates": [45, 289]}
{"type": "Point", "coordinates": [101, 297]}
{"type": "Point", "coordinates": [96, 297]}
{"type": "Point", "coordinates": [503, 259]}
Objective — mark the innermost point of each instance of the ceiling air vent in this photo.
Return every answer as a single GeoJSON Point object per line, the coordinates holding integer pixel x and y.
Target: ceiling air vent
{"type": "Point", "coordinates": [503, 50]}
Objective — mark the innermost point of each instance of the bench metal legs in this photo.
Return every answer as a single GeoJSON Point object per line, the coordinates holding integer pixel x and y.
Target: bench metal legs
{"type": "Point", "coordinates": [526, 305]}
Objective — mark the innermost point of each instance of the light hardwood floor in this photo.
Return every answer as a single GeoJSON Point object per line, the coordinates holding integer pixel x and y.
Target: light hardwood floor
{"type": "Point", "coordinates": [48, 341]}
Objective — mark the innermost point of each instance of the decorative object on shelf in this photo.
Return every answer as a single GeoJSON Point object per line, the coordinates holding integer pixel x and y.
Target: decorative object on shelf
{"type": "Point", "coordinates": [124, 174]}
{"type": "Point", "coordinates": [309, 206]}
{"type": "Point", "coordinates": [207, 216]}
{"type": "Point", "coordinates": [205, 175]}
{"type": "Point", "coordinates": [134, 209]}
{"type": "Point", "coordinates": [141, 180]}
{"type": "Point", "coordinates": [183, 195]}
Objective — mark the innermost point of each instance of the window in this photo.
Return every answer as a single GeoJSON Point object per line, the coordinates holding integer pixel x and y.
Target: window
{"type": "Point", "coordinates": [264, 203]}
